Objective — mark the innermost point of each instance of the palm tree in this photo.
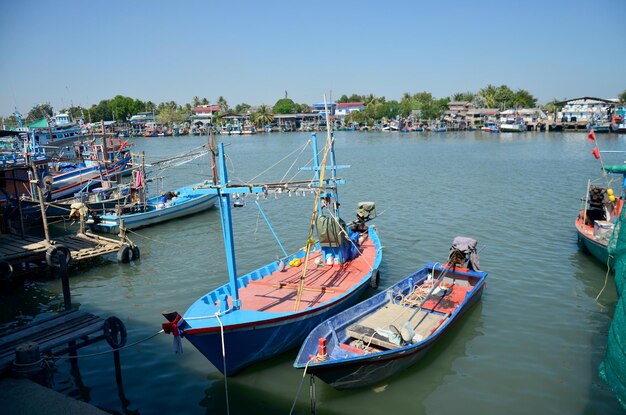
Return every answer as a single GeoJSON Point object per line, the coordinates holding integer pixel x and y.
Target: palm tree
{"type": "Point", "coordinates": [262, 116]}
{"type": "Point", "coordinates": [221, 102]}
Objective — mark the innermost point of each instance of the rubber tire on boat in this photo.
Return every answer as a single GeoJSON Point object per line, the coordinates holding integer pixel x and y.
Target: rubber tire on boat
{"type": "Point", "coordinates": [375, 278]}
{"type": "Point", "coordinates": [114, 332]}
{"type": "Point", "coordinates": [125, 254]}
{"type": "Point", "coordinates": [136, 253]}
{"type": "Point", "coordinates": [57, 253]}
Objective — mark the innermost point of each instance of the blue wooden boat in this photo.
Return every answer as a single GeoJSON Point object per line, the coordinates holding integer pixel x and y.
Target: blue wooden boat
{"type": "Point", "coordinates": [271, 309]}
{"type": "Point", "coordinates": [394, 329]}
{"type": "Point", "coordinates": [439, 128]}
{"type": "Point", "coordinates": [490, 127]}
{"type": "Point", "coordinates": [181, 202]}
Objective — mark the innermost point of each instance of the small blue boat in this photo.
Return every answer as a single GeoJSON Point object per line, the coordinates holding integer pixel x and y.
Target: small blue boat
{"type": "Point", "coordinates": [394, 329]}
{"type": "Point", "coordinates": [171, 205]}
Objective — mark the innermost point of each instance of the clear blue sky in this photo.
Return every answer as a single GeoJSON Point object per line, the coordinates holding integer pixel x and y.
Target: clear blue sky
{"type": "Point", "coordinates": [80, 52]}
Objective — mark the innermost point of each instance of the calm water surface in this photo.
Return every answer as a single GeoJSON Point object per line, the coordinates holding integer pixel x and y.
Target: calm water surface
{"type": "Point", "coordinates": [532, 345]}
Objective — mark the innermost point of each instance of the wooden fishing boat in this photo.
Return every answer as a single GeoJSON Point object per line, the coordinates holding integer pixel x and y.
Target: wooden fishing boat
{"type": "Point", "coordinates": [395, 328]}
{"type": "Point", "coordinates": [596, 219]}
{"type": "Point", "coordinates": [490, 127]}
{"type": "Point", "coordinates": [181, 202]}
{"type": "Point", "coordinates": [271, 309]}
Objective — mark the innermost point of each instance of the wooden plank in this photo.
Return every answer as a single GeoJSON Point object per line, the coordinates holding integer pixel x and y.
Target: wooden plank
{"type": "Point", "coordinates": [51, 333]}
{"type": "Point", "coordinates": [64, 318]}
{"type": "Point", "coordinates": [392, 314]}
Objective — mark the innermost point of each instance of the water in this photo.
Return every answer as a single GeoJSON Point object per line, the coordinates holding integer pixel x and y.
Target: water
{"type": "Point", "coordinates": [532, 345]}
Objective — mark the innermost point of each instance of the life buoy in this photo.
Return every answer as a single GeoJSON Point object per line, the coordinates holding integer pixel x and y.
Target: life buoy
{"type": "Point", "coordinates": [58, 255]}
{"type": "Point", "coordinates": [114, 332]}
{"type": "Point", "coordinates": [375, 278]}
{"type": "Point", "coordinates": [124, 254]}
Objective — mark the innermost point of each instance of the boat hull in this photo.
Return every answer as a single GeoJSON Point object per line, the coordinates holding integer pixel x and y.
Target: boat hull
{"type": "Point", "coordinates": [110, 223]}
{"type": "Point", "coordinates": [258, 331]}
{"type": "Point", "coordinates": [347, 371]}
{"type": "Point", "coordinates": [597, 248]}
{"type": "Point", "coordinates": [264, 340]}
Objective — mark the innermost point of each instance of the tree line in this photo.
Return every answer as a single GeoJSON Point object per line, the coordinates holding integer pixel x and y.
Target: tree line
{"type": "Point", "coordinates": [422, 104]}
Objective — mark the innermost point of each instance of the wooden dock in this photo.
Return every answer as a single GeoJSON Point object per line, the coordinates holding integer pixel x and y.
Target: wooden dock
{"type": "Point", "coordinates": [21, 254]}
{"type": "Point", "coordinates": [70, 330]}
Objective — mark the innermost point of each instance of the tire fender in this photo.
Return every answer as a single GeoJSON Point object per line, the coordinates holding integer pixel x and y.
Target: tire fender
{"type": "Point", "coordinates": [114, 332]}
{"type": "Point", "coordinates": [125, 254]}
{"type": "Point", "coordinates": [375, 278]}
{"type": "Point", "coordinates": [57, 253]}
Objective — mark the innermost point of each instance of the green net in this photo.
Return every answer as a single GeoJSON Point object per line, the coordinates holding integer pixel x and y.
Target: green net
{"type": "Point", "coordinates": [613, 367]}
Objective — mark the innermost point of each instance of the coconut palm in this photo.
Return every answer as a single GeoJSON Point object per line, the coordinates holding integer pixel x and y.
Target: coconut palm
{"type": "Point", "coordinates": [262, 116]}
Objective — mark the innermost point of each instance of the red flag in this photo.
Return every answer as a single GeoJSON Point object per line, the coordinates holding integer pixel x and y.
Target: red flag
{"type": "Point", "coordinates": [591, 136]}
{"type": "Point", "coordinates": [596, 153]}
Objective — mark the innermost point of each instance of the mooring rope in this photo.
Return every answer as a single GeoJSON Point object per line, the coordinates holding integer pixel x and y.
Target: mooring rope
{"type": "Point", "coordinates": [300, 385]}
{"type": "Point", "coordinates": [217, 315]}
{"type": "Point", "coordinates": [606, 279]}
{"type": "Point", "coordinates": [109, 351]}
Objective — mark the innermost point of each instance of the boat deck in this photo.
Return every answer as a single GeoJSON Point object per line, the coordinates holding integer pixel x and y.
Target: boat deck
{"type": "Point", "coordinates": [278, 292]}
{"type": "Point", "coordinates": [425, 320]}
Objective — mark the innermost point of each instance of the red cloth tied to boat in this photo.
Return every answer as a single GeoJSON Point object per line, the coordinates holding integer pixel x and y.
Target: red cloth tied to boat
{"type": "Point", "coordinates": [171, 327]}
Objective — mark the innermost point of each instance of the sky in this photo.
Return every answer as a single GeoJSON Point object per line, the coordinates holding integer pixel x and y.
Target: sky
{"type": "Point", "coordinates": [79, 52]}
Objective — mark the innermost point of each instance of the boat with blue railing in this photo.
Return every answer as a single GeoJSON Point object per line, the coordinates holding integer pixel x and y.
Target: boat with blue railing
{"type": "Point", "coordinates": [394, 329]}
{"type": "Point", "coordinates": [271, 309]}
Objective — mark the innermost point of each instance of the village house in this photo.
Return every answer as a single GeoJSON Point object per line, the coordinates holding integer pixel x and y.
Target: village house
{"type": "Point", "coordinates": [344, 109]}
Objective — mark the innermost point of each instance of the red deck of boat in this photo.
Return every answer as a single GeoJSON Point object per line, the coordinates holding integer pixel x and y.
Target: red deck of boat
{"type": "Point", "coordinates": [278, 292]}
{"type": "Point", "coordinates": [448, 303]}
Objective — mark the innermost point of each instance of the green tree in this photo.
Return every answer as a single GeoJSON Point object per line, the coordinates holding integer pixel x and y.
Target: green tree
{"type": "Point", "coordinates": [221, 102]}
{"type": "Point", "coordinates": [122, 108]}
{"type": "Point", "coordinates": [262, 116]}
{"type": "Point", "coordinates": [622, 96]}
{"type": "Point", "coordinates": [463, 96]}
{"type": "Point", "coordinates": [285, 106]}
{"type": "Point", "coordinates": [524, 99]}
{"type": "Point", "coordinates": [242, 108]}
{"type": "Point", "coordinates": [101, 112]}
{"type": "Point", "coordinates": [39, 111]}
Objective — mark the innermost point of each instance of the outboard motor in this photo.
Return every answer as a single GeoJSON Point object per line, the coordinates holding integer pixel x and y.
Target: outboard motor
{"type": "Point", "coordinates": [463, 253]}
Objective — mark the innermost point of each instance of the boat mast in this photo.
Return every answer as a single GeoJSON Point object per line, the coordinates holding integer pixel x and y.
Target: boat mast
{"type": "Point", "coordinates": [320, 171]}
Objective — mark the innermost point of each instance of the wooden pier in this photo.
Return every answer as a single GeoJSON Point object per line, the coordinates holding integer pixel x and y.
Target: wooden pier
{"type": "Point", "coordinates": [66, 332]}
{"type": "Point", "coordinates": [22, 254]}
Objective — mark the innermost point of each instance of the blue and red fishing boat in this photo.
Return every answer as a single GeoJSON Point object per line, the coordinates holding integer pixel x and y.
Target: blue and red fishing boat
{"type": "Point", "coordinates": [271, 309]}
{"type": "Point", "coordinates": [96, 163]}
{"type": "Point", "coordinates": [596, 219]}
{"type": "Point", "coordinates": [394, 329]}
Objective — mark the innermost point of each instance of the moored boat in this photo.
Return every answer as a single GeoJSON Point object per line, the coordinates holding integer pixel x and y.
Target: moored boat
{"type": "Point", "coordinates": [490, 127]}
{"type": "Point", "coordinates": [394, 329]}
{"type": "Point", "coordinates": [180, 202]}
{"type": "Point", "coordinates": [513, 125]}
{"type": "Point", "coordinates": [270, 310]}
{"type": "Point", "coordinates": [596, 220]}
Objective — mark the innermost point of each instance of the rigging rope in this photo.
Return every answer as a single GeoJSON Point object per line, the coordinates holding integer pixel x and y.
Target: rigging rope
{"type": "Point", "coordinates": [309, 242]}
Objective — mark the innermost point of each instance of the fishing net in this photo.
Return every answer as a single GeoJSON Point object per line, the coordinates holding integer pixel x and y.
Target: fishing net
{"type": "Point", "coordinates": [613, 367]}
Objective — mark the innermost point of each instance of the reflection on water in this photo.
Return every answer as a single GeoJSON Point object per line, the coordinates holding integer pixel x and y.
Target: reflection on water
{"type": "Point", "coordinates": [531, 346]}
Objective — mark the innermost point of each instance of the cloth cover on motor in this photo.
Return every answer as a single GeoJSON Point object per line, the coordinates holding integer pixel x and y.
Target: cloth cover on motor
{"type": "Point", "coordinates": [467, 246]}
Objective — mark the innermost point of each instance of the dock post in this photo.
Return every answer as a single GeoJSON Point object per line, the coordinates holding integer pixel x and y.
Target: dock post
{"type": "Point", "coordinates": [65, 283]}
